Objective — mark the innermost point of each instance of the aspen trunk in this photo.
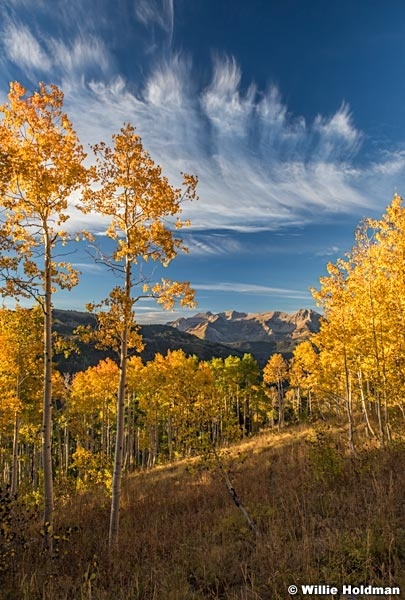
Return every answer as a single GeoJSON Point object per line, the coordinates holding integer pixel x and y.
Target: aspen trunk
{"type": "Point", "coordinates": [348, 403]}
{"type": "Point", "coordinates": [170, 438]}
{"type": "Point", "coordinates": [380, 425]}
{"type": "Point", "coordinates": [364, 406]}
{"type": "Point", "coordinates": [103, 429]}
{"type": "Point", "coordinates": [14, 463]}
{"type": "Point", "coordinates": [281, 407]}
{"type": "Point", "coordinates": [136, 448]}
{"type": "Point", "coordinates": [119, 447]}
{"type": "Point", "coordinates": [47, 402]}
{"type": "Point", "coordinates": [119, 441]}
{"type": "Point", "coordinates": [66, 447]}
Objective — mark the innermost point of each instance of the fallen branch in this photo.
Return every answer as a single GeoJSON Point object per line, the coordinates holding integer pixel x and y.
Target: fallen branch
{"type": "Point", "coordinates": [233, 493]}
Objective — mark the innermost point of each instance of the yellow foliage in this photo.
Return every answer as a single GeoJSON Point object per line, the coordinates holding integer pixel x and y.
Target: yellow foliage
{"type": "Point", "coordinates": [92, 468]}
{"type": "Point", "coordinates": [44, 167]}
{"type": "Point", "coordinates": [362, 337]}
{"type": "Point", "coordinates": [21, 364]}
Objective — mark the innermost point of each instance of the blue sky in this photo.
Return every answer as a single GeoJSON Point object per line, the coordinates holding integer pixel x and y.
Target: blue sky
{"type": "Point", "coordinates": [290, 112]}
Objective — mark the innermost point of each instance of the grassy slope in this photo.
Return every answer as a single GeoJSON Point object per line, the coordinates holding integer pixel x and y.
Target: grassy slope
{"type": "Point", "coordinates": [321, 518]}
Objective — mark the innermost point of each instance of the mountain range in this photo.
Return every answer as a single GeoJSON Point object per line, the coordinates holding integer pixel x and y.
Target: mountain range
{"type": "Point", "coordinates": [157, 338]}
{"type": "Point", "coordinates": [205, 334]}
{"type": "Point", "coordinates": [261, 334]}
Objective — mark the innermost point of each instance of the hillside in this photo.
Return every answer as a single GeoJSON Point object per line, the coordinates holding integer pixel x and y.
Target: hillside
{"type": "Point", "coordinates": [261, 334]}
{"type": "Point", "coordinates": [321, 518]}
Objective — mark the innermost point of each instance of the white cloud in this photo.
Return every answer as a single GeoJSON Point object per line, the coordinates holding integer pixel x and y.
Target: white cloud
{"type": "Point", "coordinates": [29, 4]}
{"type": "Point", "coordinates": [79, 55]}
{"type": "Point", "coordinates": [92, 268]}
{"type": "Point", "coordinates": [159, 316]}
{"type": "Point", "coordinates": [259, 166]}
{"type": "Point", "coordinates": [330, 251]}
{"type": "Point", "coordinates": [156, 12]}
{"type": "Point", "coordinates": [24, 49]}
{"type": "Point", "coordinates": [250, 288]}
{"type": "Point", "coordinates": [211, 244]}
{"type": "Point", "coordinates": [168, 85]}
{"type": "Point", "coordinates": [393, 164]}
{"type": "Point", "coordinates": [338, 129]}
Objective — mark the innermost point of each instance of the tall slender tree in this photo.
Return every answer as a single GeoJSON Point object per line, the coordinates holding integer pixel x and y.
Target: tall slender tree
{"type": "Point", "coordinates": [42, 160]}
{"type": "Point", "coordinates": [20, 372]}
{"type": "Point", "coordinates": [275, 373]}
{"type": "Point", "coordinates": [136, 197]}
{"type": "Point", "coordinates": [361, 338]}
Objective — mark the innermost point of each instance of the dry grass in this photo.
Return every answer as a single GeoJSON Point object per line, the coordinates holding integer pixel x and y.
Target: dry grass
{"type": "Point", "coordinates": [321, 517]}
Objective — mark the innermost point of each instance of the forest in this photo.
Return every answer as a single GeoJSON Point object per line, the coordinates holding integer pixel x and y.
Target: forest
{"type": "Point", "coordinates": [72, 447]}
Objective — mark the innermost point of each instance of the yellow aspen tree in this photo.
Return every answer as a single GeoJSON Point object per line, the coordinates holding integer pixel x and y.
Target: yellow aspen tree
{"type": "Point", "coordinates": [133, 193]}
{"type": "Point", "coordinates": [233, 378]}
{"type": "Point", "coordinates": [303, 366]}
{"type": "Point", "coordinates": [144, 383]}
{"type": "Point", "coordinates": [20, 371]}
{"type": "Point", "coordinates": [135, 374]}
{"type": "Point", "coordinates": [276, 372]}
{"type": "Point", "coordinates": [61, 389]}
{"type": "Point", "coordinates": [227, 381]}
{"type": "Point", "coordinates": [368, 286]}
{"type": "Point", "coordinates": [362, 337]}
{"type": "Point", "coordinates": [187, 390]}
{"type": "Point", "coordinates": [249, 379]}
{"type": "Point", "coordinates": [44, 167]}
{"type": "Point", "coordinates": [389, 253]}
{"type": "Point", "coordinates": [93, 405]}
{"type": "Point", "coordinates": [338, 336]}
{"type": "Point", "coordinates": [158, 401]}
{"type": "Point", "coordinates": [217, 368]}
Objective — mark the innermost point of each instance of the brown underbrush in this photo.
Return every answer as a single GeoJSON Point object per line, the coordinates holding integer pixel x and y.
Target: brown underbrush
{"type": "Point", "coordinates": [322, 517]}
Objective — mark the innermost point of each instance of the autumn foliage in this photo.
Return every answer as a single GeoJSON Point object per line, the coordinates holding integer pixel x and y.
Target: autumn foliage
{"type": "Point", "coordinates": [87, 431]}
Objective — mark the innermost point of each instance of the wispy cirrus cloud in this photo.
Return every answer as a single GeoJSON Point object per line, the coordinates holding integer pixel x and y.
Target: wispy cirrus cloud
{"type": "Point", "coordinates": [40, 55]}
{"type": "Point", "coordinates": [88, 267]}
{"type": "Point", "coordinates": [212, 244]}
{"type": "Point", "coordinates": [23, 49]}
{"type": "Point", "coordinates": [156, 12]}
{"type": "Point", "coordinates": [250, 288]}
{"type": "Point", "coordinates": [80, 55]}
{"type": "Point", "coordinates": [259, 166]}
{"type": "Point", "coordinates": [329, 251]}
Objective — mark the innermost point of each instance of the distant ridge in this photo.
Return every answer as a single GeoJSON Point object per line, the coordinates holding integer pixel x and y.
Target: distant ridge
{"type": "Point", "coordinates": [157, 338]}
{"type": "Point", "coordinates": [205, 335]}
{"type": "Point", "coordinates": [262, 334]}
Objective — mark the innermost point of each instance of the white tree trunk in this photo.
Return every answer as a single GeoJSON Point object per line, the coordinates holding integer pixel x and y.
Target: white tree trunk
{"type": "Point", "coordinates": [47, 402]}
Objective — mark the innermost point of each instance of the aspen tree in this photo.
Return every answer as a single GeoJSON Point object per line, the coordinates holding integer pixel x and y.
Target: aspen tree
{"type": "Point", "coordinates": [362, 337]}
{"type": "Point", "coordinates": [303, 365]}
{"type": "Point", "coordinates": [338, 335]}
{"type": "Point", "coordinates": [136, 197]}
{"type": "Point", "coordinates": [367, 285]}
{"type": "Point", "coordinates": [390, 239]}
{"type": "Point", "coordinates": [20, 372]}
{"type": "Point", "coordinates": [276, 372]}
{"type": "Point", "coordinates": [43, 164]}
{"type": "Point", "coordinates": [93, 404]}
{"type": "Point", "coordinates": [135, 416]}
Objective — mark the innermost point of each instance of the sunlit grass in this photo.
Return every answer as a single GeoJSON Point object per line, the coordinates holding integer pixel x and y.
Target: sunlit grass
{"type": "Point", "coordinates": [321, 517]}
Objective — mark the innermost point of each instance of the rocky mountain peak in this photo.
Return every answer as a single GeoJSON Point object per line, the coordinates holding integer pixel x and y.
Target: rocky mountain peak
{"type": "Point", "coordinates": [260, 333]}
{"type": "Point", "coordinates": [232, 315]}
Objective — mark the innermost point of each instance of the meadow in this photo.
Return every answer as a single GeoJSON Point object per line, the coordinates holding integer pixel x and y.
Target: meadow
{"type": "Point", "coordinates": [321, 516]}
